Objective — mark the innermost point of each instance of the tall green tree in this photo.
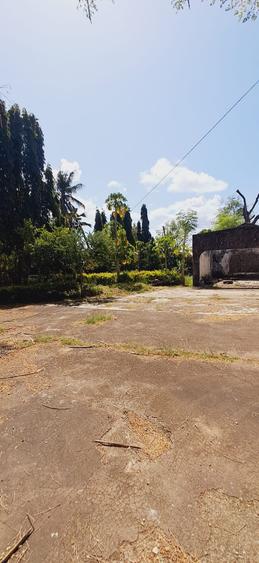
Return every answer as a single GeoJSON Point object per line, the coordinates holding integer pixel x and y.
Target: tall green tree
{"type": "Point", "coordinates": [16, 155]}
{"type": "Point", "coordinates": [139, 232]}
{"type": "Point", "coordinates": [101, 250]}
{"type": "Point", "coordinates": [166, 244]}
{"type": "Point", "coordinates": [186, 223]}
{"type": "Point", "coordinates": [7, 185]}
{"type": "Point", "coordinates": [69, 204]}
{"type": "Point", "coordinates": [127, 223]}
{"type": "Point", "coordinates": [50, 204]}
{"type": "Point", "coordinates": [33, 166]}
{"type": "Point", "coordinates": [145, 232]}
{"type": "Point", "coordinates": [98, 224]}
{"type": "Point", "coordinates": [116, 203]}
{"type": "Point", "coordinates": [229, 216]}
{"type": "Point", "coordinates": [104, 219]}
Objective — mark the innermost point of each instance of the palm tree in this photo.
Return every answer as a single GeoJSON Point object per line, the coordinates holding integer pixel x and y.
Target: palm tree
{"type": "Point", "coordinates": [69, 204]}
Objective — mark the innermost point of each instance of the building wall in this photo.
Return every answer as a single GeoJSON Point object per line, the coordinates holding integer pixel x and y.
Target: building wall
{"type": "Point", "coordinates": [216, 264]}
{"type": "Point", "coordinates": [228, 252]}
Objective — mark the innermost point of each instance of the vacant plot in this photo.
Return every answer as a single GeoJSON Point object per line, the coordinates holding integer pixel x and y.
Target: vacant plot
{"type": "Point", "coordinates": [129, 430]}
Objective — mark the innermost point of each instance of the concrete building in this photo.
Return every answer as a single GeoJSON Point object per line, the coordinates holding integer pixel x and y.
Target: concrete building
{"type": "Point", "coordinates": [228, 254]}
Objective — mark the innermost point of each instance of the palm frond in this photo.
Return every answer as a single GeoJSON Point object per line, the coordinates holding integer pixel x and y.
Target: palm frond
{"type": "Point", "coordinates": [79, 203]}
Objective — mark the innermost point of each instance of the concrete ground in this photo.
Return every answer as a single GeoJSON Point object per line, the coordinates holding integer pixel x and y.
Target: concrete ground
{"type": "Point", "coordinates": [171, 372]}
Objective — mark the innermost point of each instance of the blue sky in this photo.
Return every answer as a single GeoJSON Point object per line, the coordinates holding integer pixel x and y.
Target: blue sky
{"type": "Point", "coordinates": [125, 97]}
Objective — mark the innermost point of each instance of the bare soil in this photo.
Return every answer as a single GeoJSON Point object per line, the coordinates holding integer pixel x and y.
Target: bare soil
{"type": "Point", "coordinates": [190, 493]}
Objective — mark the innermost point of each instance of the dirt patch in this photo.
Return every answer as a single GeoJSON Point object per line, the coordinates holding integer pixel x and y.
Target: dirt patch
{"type": "Point", "coordinates": [233, 524]}
{"type": "Point", "coordinates": [155, 442]}
{"type": "Point", "coordinates": [152, 545]}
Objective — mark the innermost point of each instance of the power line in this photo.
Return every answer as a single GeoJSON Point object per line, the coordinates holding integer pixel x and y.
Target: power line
{"type": "Point", "coordinates": [198, 142]}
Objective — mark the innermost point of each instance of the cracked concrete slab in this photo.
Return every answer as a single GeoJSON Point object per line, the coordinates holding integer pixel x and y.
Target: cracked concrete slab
{"type": "Point", "coordinates": [191, 492]}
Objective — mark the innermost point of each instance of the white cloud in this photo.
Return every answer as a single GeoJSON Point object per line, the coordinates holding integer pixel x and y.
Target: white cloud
{"type": "Point", "coordinates": [205, 207]}
{"type": "Point", "coordinates": [90, 209]}
{"type": "Point", "coordinates": [181, 180]}
{"type": "Point", "coordinates": [117, 186]}
{"type": "Point", "coordinates": [69, 166]}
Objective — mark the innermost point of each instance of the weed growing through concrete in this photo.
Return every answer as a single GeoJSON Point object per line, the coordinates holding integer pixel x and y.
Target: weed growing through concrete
{"type": "Point", "coordinates": [132, 348]}
{"type": "Point", "coordinates": [98, 318]}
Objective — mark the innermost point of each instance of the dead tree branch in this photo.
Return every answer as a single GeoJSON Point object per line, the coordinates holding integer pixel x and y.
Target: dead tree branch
{"type": "Point", "coordinates": [11, 550]}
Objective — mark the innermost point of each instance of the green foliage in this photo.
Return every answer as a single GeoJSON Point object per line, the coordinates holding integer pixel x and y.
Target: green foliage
{"type": "Point", "coordinates": [98, 318]}
{"type": "Point", "coordinates": [145, 232]}
{"type": "Point", "coordinates": [127, 224]}
{"type": "Point", "coordinates": [91, 290]}
{"type": "Point", "coordinates": [148, 256]}
{"type": "Point", "coordinates": [167, 249]}
{"type": "Point", "coordinates": [155, 277]}
{"type": "Point", "coordinates": [69, 204]}
{"type": "Point", "coordinates": [229, 216]}
{"type": "Point", "coordinates": [186, 222]}
{"type": "Point", "coordinates": [103, 278]}
{"type": "Point", "coordinates": [116, 202]}
{"type": "Point", "coordinates": [101, 250]}
{"type": "Point", "coordinates": [136, 287]}
{"type": "Point", "coordinates": [98, 224]}
{"type": "Point", "coordinates": [56, 289]}
{"type": "Point", "coordinates": [31, 198]}
{"type": "Point", "coordinates": [58, 252]}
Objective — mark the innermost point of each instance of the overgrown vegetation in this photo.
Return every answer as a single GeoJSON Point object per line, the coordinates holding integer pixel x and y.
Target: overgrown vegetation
{"type": "Point", "coordinates": [44, 248]}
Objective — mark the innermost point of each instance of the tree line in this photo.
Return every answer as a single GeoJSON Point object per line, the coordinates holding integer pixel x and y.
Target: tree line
{"type": "Point", "coordinates": [42, 221]}
{"type": "Point", "coordinates": [33, 203]}
{"type": "Point", "coordinates": [117, 242]}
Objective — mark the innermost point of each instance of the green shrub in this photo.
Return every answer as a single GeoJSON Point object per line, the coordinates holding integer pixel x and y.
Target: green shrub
{"type": "Point", "coordinates": [105, 278]}
{"type": "Point", "coordinates": [35, 292]}
{"type": "Point", "coordinates": [91, 291]}
{"type": "Point", "coordinates": [155, 277]}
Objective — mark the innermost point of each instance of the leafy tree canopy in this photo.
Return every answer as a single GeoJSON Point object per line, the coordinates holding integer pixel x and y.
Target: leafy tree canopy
{"type": "Point", "coordinates": [229, 216]}
{"type": "Point", "coordinates": [244, 9]}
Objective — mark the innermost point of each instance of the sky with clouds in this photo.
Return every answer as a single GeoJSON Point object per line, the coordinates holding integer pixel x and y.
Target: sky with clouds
{"type": "Point", "coordinates": [121, 100]}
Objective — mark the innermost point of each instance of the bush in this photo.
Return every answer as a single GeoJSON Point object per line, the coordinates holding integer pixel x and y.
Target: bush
{"type": "Point", "coordinates": [134, 287]}
{"type": "Point", "coordinates": [155, 277]}
{"type": "Point", "coordinates": [52, 290]}
{"type": "Point", "coordinates": [60, 251]}
{"type": "Point", "coordinates": [105, 278]}
{"type": "Point", "coordinates": [91, 291]}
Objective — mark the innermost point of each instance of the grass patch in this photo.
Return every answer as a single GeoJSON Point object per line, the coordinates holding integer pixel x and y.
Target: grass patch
{"type": "Point", "coordinates": [44, 338]}
{"type": "Point", "coordinates": [129, 347]}
{"type": "Point", "coordinates": [137, 287]}
{"type": "Point", "coordinates": [67, 341]}
{"type": "Point", "coordinates": [168, 352]}
{"type": "Point", "coordinates": [2, 329]}
{"type": "Point", "coordinates": [98, 318]}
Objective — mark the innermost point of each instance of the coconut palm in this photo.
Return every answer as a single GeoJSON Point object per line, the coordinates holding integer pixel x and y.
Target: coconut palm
{"type": "Point", "coordinates": [69, 204]}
